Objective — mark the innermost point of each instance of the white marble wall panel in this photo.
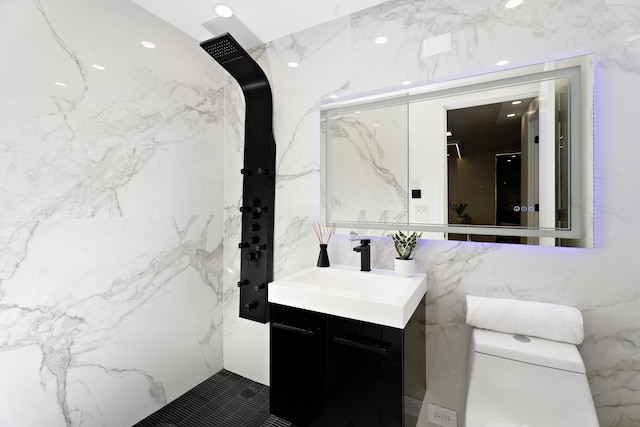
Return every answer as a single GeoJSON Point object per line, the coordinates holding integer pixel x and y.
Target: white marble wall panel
{"type": "Point", "coordinates": [110, 214]}
{"type": "Point", "coordinates": [602, 282]}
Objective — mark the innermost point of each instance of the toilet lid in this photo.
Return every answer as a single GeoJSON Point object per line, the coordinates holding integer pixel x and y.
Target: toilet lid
{"type": "Point", "coordinates": [509, 393]}
{"type": "Point", "coordinates": [533, 350]}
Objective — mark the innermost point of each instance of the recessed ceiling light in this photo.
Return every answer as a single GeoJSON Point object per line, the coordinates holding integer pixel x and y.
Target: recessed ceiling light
{"type": "Point", "coordinates": [381, 40]}
{"type": "Point", "coordinates": [406, 82]}
{"type": "Point", "coordinates": [223, 11]}
{"type": "Point", "coordinates": [511, 115]}
{"type": "Point", "coordinates": [292, 64]}
{"type": "Point", "coordinates": [60, 84]}
{"type": "Point", "coordinates": [502, 63]}
{"type": "Point", "coordinates": [148, 45]}
{"type": "Point", "coordinates": [98, 67]}
{"type": "Point", "coordinates": [516, 102]}
{"type": "Point", "coordinates": [512, 3]}
{"type": "Point", "coordinates": [333, 96]}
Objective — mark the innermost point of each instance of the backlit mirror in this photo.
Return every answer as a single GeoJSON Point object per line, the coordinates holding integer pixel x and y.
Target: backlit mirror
{"type": "Point", "coordinates": [503, 157]}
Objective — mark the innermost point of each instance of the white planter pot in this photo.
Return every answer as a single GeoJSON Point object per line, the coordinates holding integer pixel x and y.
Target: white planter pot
{"type": "Point", "coordinates": [405, 267]}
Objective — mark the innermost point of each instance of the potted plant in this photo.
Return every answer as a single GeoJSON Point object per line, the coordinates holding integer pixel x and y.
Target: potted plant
{"type": "Point", "coordinates": [463, 217]}
{"type": "Point", "coordinates": [405, 243]}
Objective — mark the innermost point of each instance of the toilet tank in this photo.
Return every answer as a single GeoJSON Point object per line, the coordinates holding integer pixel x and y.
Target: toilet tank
{"type": "Point", "coordinates": [526, 381]}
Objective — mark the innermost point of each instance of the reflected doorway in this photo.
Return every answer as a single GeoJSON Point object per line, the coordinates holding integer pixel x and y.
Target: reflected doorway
{"type": "Point", "coordinates": [492, 162]}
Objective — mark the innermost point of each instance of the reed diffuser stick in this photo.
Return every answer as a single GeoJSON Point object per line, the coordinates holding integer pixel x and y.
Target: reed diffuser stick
{"type": "Point", "coordinates": [321, 230]}
{"type": "Point", "coordinates": [317, 231]}
{"type": "Point", "coordinates": [331, 232]}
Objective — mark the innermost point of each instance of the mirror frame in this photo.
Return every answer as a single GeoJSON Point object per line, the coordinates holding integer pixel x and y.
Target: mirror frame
{"type": "Point", "coordinates": [578, 70]}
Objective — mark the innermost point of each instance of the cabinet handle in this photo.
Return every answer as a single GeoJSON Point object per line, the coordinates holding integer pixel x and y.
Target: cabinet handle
{"type": "Point", "coordinates": [372, 346]}
{"type": "Point", "coordinates": [284, 327]}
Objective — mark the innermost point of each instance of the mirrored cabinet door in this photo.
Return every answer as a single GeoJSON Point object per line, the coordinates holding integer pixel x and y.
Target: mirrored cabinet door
{"type": "Point", "coordinates": [368, 158]}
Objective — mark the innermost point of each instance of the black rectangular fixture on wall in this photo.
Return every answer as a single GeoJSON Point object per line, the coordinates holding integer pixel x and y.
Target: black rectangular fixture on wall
{"type": "Point", "coordinates": [258, 186]}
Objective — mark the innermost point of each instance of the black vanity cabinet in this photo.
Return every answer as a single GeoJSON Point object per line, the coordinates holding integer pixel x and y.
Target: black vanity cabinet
{"type": "Point", "coordinates": [298, 340]}
{"type": "Point", "coordinates": [364, 375]}
{"type": "Point", "coordinates": [348, 373]}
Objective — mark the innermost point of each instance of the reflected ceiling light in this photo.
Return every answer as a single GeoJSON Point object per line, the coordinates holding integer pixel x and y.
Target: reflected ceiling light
{"type": "Point", "coordinates": [60, 84]}
{"type": "Point", "coordinates": [223, 11]}
{"type": "Point", "coordinates": [502, 63]}
{"type": "Point", "coordinates": [512, 3]}
{"type": "Point", "coordinates": [292, 64]}
{"type": "Point", "coordinates": [516, 102]}
{"type": "Point", "coordinates": [98, 67]}
{"type": "Point", "coordinates": [632, 38]}
{"type": "Point", "coordinates": [376, 125]}
{"type": "Point", "coordinates": [148, 45]}
{"type": "Point", "coordinates": [381, 40]}
{"type": "Point", "coordinates": [449, 133]}
{"type": "Point", "coordinates": [406, 83]}
{"type": "Point", "coordinates": [511, 115]}
{"type": "Point", "coordinates": [333, 96]}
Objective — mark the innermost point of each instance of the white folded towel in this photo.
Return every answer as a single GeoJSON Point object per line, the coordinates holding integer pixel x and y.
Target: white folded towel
{"type": "Point", "coordinates": [538, 319]}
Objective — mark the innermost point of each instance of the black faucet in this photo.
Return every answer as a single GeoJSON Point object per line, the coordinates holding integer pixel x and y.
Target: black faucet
{"type": "Point", "coordinates": [365, 254]}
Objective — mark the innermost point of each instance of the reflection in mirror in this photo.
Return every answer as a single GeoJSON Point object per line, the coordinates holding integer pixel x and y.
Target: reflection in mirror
{"type": "Point", "coordinates": [496, 158]}
{"type": "Point", "coordinates": [369, 154]}
{"type": "Point", "coordinates": [498, 181]}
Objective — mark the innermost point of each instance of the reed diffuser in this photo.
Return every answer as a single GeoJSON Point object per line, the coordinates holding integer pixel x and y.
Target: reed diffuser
{"type": "Point", "coordinates": [321, 231]}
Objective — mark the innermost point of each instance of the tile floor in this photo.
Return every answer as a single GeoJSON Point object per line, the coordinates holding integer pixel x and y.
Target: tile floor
{"type": "Point", "coordinates": [224, 400]}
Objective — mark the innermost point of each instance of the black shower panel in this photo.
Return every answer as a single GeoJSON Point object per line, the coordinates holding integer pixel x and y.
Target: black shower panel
{"type": "Point", "coordinates": [258, 183]}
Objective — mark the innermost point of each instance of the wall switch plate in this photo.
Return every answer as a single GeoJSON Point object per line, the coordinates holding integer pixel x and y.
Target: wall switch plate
{"type": "Point", "coordinates": [442, 416]}
{"type": "Point", "coordinates": [412, 406]}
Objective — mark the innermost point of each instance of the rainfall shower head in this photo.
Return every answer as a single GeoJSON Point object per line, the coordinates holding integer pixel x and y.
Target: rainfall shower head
{"type": "Point", "coordinates": [223, 48]}
{"type": "Point", "coordinates": [233, 58]}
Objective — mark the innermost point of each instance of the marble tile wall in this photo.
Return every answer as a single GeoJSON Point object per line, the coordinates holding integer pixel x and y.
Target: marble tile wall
{"type": "Point", "coordinates": [340, 57]}
{"type": "Point", "coordinates": [110, 214]}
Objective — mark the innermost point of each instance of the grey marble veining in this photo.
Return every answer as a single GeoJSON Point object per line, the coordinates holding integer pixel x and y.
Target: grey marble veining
{"type": "Point", "coordinates": [367, 145]}
{"type": "Point", "coordinates": [111, 215]}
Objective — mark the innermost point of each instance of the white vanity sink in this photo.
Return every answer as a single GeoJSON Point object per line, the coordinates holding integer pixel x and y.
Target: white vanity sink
{"type": "Point", "coordinates": [377, 296]}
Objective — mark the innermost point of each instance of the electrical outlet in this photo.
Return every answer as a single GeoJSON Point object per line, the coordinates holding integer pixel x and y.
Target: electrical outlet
{"type": "Point", "coordinates": [442, 416]}
{"type": "Point", "coordinates": [412, 406]}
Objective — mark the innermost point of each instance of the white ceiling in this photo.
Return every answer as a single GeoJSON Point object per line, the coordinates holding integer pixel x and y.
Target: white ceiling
{"type": "Point", "coordinates": [266, 19]}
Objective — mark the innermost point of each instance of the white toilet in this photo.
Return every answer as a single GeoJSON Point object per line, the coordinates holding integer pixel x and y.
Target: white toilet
{"type": "Point", "coordinates": [517, 381]}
